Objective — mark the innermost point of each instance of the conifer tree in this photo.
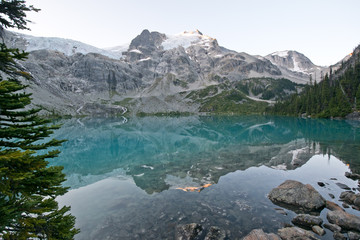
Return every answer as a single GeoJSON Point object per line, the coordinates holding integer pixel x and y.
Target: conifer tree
{"type": "Point", "coordinates": [28, 186]}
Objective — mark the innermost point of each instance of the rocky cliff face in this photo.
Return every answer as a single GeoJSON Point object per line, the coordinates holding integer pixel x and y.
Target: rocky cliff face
{"type": "Point", "coordinates": [349, 60]}
{"type": "Point", "coordinates": [74, 78]}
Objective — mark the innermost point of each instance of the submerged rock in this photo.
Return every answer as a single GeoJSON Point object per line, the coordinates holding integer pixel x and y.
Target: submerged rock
{"type": "Point", "coordinates": [343, 186]}
{"type": "Point", "coordinates": [281, 211]}
{"type": "Point", "coordinates": [306, 220]}
{"type": "Point", "coordinates": [321, 184]}
{"type": "Point", "coordinates": [215, 233]}
{"type": "Point", "coordinates": [296, 194]}
{"type": "Point", "coordinates": [257, 234]}
{"type": "Point", "coordinates": [192, 231]}
{"type": "Point", "coordinates": [291, 233]}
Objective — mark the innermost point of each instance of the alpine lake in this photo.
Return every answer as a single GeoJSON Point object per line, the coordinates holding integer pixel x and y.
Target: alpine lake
{"type": "Point", "coordinates": [140, 178]}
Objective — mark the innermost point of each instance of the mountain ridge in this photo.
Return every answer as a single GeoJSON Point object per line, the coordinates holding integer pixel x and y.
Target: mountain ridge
{"type": "Point", "coordinates": [78, 79]}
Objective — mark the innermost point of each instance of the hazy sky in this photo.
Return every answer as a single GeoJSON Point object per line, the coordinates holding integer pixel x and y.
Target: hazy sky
{"type": "Point", "coordinates": [323, 30]}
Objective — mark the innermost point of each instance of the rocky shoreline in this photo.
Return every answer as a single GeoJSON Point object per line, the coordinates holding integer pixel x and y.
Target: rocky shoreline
{"type": "Point", "coordinates": [306, 225]}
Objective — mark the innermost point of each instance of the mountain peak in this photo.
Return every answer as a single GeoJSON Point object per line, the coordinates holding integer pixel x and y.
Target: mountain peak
{"type": "Point", "coordinates": [286, 53]}
{"type": "Point", "coordinates": [147, 39]}
{"type": "Point", "coordinates": [196, 32]}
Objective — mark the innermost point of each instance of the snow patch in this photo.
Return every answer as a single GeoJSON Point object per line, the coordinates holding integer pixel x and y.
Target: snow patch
{"type": "Point", "coordinates": [280, 167]}
{"type": "Point", "coordinates": [296, 153]}
{"type": "Point", "coordinates": [135, 51]}
{"type": "Point", "coordinates": [186, 39]}
{"type": "Point", "coordinates": [281, 54]}
{"type": "Point", "coordinates": [67, 46]}
{"type": "Point", "coordinates": [146, 166]}
{"type": "Point", "coordinates": [139, 175]}
{"type": "Point", "coordinates": [261, 100]}
{"type": "Point", "coordinates": [296, 66]}
{"type": "Point", "coordinates": [145, 59]}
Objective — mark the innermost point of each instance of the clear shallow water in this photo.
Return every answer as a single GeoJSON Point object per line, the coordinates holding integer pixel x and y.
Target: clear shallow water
{"type": "Point", "coordinates": [126, 179]}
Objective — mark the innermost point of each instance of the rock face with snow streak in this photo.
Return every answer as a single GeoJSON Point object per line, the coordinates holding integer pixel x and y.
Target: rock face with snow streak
{"type": "Point", "coordinates": [296, 65]}
{"type": "Point", "coordinates": [155, 68]}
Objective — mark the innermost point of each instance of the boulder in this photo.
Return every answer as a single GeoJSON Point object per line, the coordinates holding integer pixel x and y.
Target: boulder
{"type": "Point", "coordinates": [344, 220]}
{"type": "Point", "coordinates": [357, 201]}
{"type": "Point", "coordinates": [333, 206]}
{"type": "Point", "coordinates": [353, 235]}
{"type": "Point", "coordinates": [348, 197]}
{"type": "Point", "coordinates": [332, 227]}
{"type": "Point", "coordinates": [353, 176]}
{"type": "Point", "coordinates": [258, 234]}
{"type": "Point", "coordinates": [351, 198]}
{"type": "Point", "coordinates": [306, 220]}
{"type": "Point", "coordinates": [318, 230]}
{"type": "Point", "coordinates": [215, 233]}
{"type": "Point", "coordinates": [296, 194]}
{"type": "Point", "coordinates": [339, 236]}
{"type": "Point", "coordinates": [192, 231]}
{"type": "Point", "coordinates": [291, 233]}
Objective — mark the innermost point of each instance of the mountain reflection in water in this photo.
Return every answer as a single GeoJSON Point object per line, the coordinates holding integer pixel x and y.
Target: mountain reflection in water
{"type": "Point", "coordinates": [155, 151]}
{"type": "Point", "coordinates": [143, 178]}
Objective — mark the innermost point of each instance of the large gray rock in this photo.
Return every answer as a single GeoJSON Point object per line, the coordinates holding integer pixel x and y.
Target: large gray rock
{"type": "Point", "coordinates": [296, 194]}
{"type": "Point", "coordinates": [295, 233]}
{"type": "Point", "coordinates": [258, 234]}
{"type": "Point", "coordinates": [344, 220]}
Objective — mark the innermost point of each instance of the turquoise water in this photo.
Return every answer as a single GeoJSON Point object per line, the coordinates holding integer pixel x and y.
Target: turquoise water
{"type": "Point", "coordinates": [140, 178]}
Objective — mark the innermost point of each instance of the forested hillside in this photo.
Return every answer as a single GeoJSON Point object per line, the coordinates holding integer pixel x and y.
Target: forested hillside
{"type": "Point", "coordinates": [337, 95]}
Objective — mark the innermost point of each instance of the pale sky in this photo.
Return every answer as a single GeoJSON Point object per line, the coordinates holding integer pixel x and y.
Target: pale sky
{"type": "Point", "coordinates": [324, 30]}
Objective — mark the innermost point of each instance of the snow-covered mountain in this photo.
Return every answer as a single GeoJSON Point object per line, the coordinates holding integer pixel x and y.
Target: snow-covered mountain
{"type": "Point", "coordinates": [291, 62]}
{"type": "Point", "coordinates": [71, 77]}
